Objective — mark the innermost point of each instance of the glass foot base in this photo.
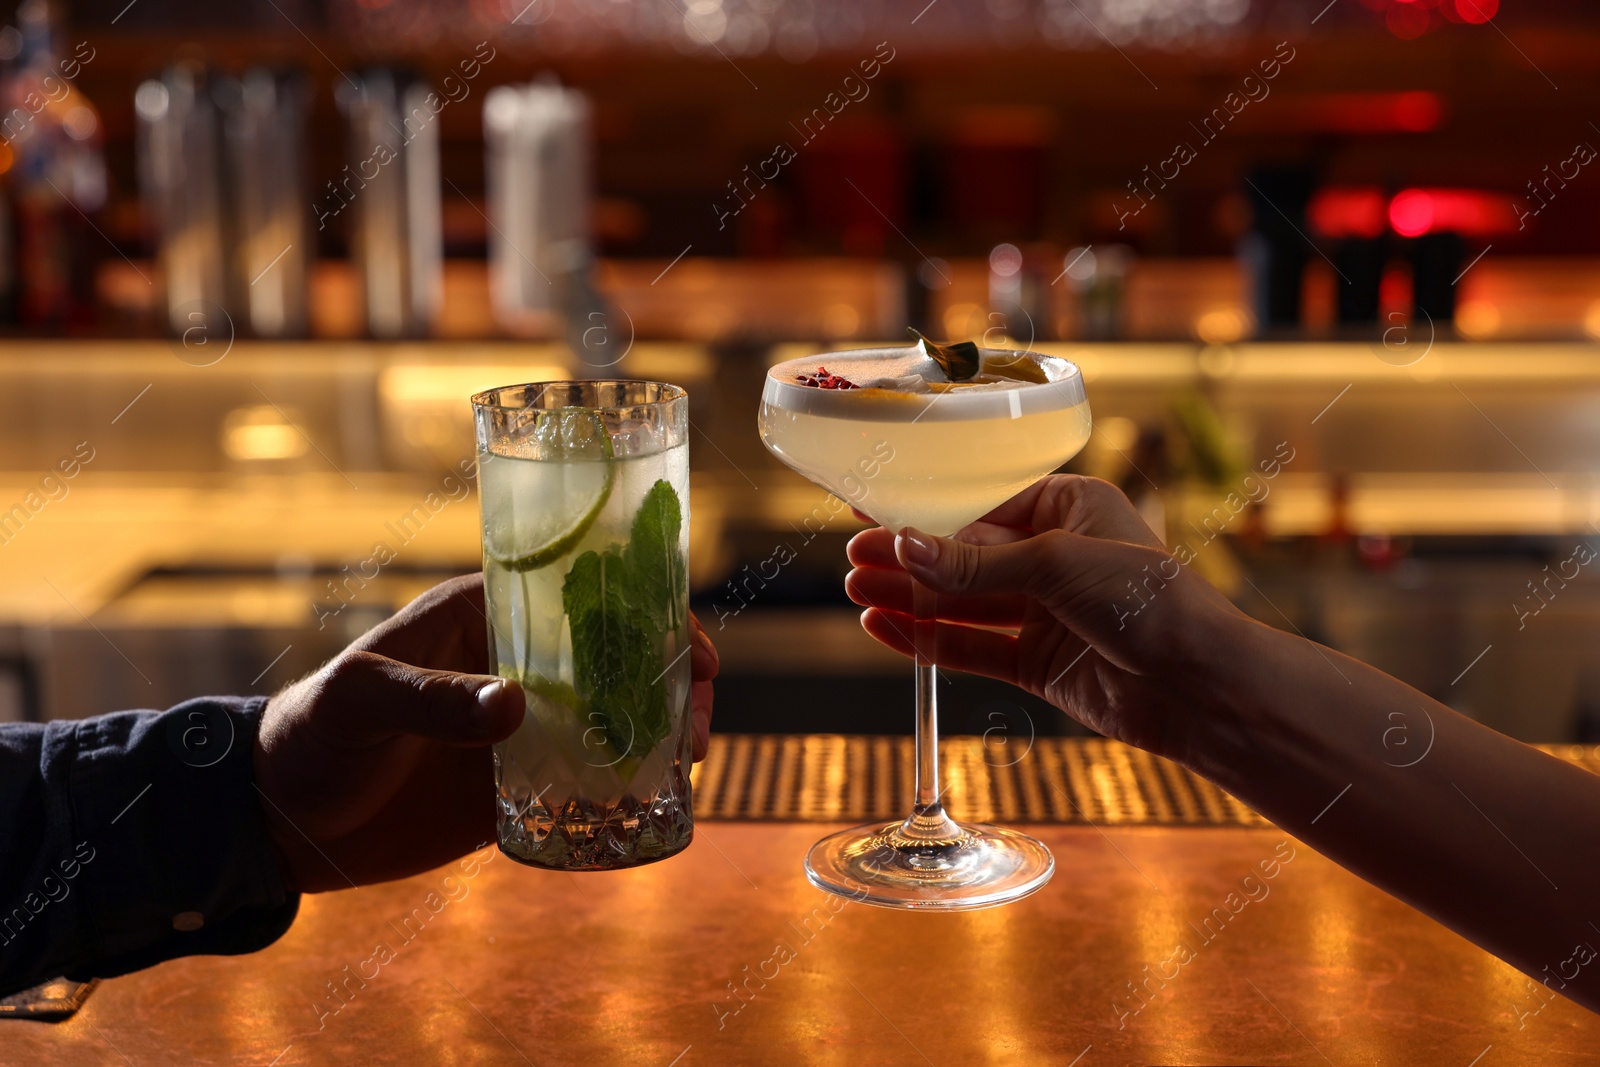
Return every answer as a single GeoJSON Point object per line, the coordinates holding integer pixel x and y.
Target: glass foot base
{"type": "Point", "coordinates": [980, 867]}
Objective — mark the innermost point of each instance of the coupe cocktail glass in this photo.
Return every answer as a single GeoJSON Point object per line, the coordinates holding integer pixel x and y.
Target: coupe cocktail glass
{"type": "Point", "coordinates": [912, 449]}
{"type": "Point", "coordinates": [585, 499]}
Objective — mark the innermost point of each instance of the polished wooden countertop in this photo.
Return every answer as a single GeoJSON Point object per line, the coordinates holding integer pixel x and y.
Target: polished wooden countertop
{"type": "Point", "coordinates": [512, 966]}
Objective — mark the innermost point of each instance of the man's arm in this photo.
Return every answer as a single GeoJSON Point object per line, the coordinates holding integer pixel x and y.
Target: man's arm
{"type": "Point", "coordinates": [134, 838]}
{"type": "Point", "coordinates": [137, 837]}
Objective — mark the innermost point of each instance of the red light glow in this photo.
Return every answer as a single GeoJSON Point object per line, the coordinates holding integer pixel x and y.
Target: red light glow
{"type": "Point", "coordinates": [1411, 213]}
{"type": "Point", "coordinates": [1471, 212]}
{"type": "Point", "coordinates": [1408, 19]}
{"type": "Point", "coordinates": [1476, 12]}
{"type": "Point", "coordinates": [1416, 111]}
{"type": "Point", "coordinates": [1349, 212]}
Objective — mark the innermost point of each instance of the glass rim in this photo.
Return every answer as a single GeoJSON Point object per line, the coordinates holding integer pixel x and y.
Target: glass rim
{"type": "Point", "coordinates": [487, 399]}
{"type": "Point", "coordinates": [1057, 394]}
{"type": "Point", "coordinates": [887, 351]}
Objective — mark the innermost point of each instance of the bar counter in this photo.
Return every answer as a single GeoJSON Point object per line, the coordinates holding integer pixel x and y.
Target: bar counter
{"type": "Point", "coordinates": [725, 955]}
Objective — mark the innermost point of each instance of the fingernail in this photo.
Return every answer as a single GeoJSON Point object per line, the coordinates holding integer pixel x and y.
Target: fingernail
{"type": "Point", "coordinates": [918, 547]}
{"type": "Point", "coordinates": [489, 693]}
{"type": "Point", "coordinates": [710, 649]}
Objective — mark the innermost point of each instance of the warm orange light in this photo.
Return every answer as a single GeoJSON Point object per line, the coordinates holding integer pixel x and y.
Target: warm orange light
{"type": "Point", "coordinates": [840, 320]}
{"type": "Point", "coordinates": [1221, 326]}
{"type": "Point", "coordinates": [1478, 319]}
{"type": "Point", "coordinates": [1591, 320]}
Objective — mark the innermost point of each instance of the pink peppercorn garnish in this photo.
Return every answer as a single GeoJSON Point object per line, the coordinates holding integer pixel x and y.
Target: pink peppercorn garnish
{"type": "Point", "coordinates": [824, 380]}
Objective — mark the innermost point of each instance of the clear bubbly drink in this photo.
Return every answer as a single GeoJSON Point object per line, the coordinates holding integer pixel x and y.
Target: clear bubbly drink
{"type": "Point", "coordinates": [585, 533]}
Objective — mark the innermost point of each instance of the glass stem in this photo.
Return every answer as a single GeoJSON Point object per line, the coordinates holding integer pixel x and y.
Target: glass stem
{"type": "Point", "coordinates": [928, 820]}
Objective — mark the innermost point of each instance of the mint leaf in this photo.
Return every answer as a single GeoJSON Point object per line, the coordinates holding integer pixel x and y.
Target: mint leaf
{"type": "Point", "coordinates": [597, 581]}
{"type": "Point", "coordinates": [620, 605]}
{"type": "Point", "coordinates": [654, 558]}
{"type": "Point", "coordinates": [619, 669]}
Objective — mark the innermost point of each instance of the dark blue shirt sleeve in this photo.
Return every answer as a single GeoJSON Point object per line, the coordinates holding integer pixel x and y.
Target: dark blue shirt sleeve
{"type": "Point", "coordinates": [133, 838]}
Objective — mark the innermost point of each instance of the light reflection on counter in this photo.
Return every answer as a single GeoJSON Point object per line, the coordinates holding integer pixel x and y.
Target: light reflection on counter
{"type": "Point", "coordinates": [1330, 936]}
{"type": "Point", "coordinates": [993, 940]}
{"type": "Point", "coordinates": [1159, 929]}
{"type": "Point", "coordinates": [625, 967]}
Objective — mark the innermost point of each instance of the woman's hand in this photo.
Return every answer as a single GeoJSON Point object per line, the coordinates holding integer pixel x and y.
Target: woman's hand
{"type": "Point", "coordinates": [378, 766]}
{"type": "Point", "coordinates": [1064, 591]}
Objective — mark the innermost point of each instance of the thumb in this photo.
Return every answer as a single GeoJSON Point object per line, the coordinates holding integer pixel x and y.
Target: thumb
{"type": "Point", "coordinates": [370, 698]}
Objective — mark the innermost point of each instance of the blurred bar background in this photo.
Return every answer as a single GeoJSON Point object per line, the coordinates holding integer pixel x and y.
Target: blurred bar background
{"type": "Point", "coordinates": [1333, 274]}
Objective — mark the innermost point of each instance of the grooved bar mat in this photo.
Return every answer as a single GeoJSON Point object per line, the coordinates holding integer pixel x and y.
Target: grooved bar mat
{"type": "Point", "coordinates": [854, 778]}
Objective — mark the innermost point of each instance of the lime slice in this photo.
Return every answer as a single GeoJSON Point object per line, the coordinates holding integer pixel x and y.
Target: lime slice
{"type": "Point", "coordinates": [557, 692]}
{"type": "Point", "coordinates": [557, 496]}
{"type": "Point", "coordinates": [565, 714]}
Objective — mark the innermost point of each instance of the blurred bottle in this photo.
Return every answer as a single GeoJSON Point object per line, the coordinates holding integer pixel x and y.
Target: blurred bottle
{"type": "Point", "coordinates": [925, 279]}
{"type": "Point", "coordinates": [1148, 474]}
{"type": "Point", "coordinates": [1379, 552]}
{"type": "Point", "coordinates": [1098, 282]}
{"type": "Point", "coordinates": [1359, 262]}
{"type": "Point", "coordinates": [264, 120]}
{"type": "Point", "coordinates": [57, 175]}
{"type": "Point", "coordinates": [1336, 545]}
{"type": "Point", "coordinates": [538, 177]}
{"type": "Point", "coordinates": [1019, 293]}
{"type": "Point", "coordinates": [221, 170]}
{"type": "Point", "coordinates": [1275, 250]}
{"type": "Point", "coordinates": [1253, 529]}
{"type": "Point", "coordinates": [182, 180]}
{"type": "Point", "coordinates": [1326, 563]}
{"type": "Point", "coordinates": [1354, 219]}
{"type": "Point", "coordinates": [1435, 268]}
{"type": "Point", "coordinates": [392, 184]}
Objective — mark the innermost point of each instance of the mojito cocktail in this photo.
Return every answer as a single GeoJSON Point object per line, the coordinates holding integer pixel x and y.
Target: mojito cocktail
{"type": "Point", "coordinates": [585, 500]}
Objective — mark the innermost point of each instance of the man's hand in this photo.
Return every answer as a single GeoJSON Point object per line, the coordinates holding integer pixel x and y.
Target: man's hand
{"type": "Point", "coordinates": [1064, 591]}
{"type": "Point", "coordinates": [378, 766]}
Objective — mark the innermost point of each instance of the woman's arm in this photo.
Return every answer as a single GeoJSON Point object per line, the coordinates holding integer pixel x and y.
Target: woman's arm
{"type": "Point", "coordinates": [1495, 839]}
{"type": "Point", "coordinates": [1065, 592]}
